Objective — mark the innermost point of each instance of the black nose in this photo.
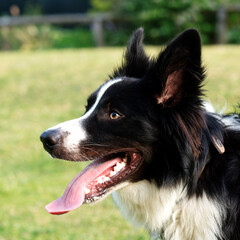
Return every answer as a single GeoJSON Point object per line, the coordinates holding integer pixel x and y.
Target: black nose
{"type": "Point", "coordinates": [50, 138]}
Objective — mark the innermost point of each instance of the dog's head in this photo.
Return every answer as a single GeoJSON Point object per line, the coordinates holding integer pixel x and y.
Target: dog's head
{"type": "Point", "coordinates": [140, 121]}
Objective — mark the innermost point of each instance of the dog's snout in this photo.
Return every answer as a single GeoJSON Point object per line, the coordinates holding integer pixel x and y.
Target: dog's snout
{"type": "Point", "coordinates": [50, 138]}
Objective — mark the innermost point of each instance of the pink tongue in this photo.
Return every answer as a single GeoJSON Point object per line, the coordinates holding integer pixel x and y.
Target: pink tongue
{"type": "Point", "coordinates": [74, 195]}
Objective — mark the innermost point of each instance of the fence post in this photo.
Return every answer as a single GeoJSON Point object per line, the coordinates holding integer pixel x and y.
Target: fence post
{"type": "Point", "coordinates": [221, 25]}
{"type": "Point", "coordinates": [5, 35]}
{"type": "Point", "coordinates": [97, 31]}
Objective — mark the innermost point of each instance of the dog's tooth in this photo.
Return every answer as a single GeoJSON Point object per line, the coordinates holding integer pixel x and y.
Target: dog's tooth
{"type": "Point", "coordinates": [112, 173]}
{"type": "Point", "coordinates": [123, 164]}
{"type": "Point", "coordinates": [96, 198]}
{"type": "Point", "coordinates": [125, 160]}
{"type": "Point", "coordinates": [105, 179]}
{"type": "Point", "coordinates": [102, 179]}
{"type": "Point", "coordinates": [119, 166]}
{"type": "Point", "coordinates": [86, 190]}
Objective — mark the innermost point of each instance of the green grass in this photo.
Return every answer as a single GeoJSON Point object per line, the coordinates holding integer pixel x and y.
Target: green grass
{"type": "Point", "coordinates": [41, 89]}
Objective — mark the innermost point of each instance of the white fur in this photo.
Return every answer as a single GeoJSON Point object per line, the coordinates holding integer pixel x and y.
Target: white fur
{"type": "Point", "coordinates": [231, 122]}
{"type": "Point", "coordinates": [168, 212]}
{"type": "Point", "coordinates": [99, 96]}
{"type": "Point", "coordinates": [75, 132]}
{"type": "Point", "coordinates": [209, 107]}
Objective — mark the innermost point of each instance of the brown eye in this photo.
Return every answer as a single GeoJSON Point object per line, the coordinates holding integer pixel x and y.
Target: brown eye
{"type": "Point", "coordinates": [114, 115]}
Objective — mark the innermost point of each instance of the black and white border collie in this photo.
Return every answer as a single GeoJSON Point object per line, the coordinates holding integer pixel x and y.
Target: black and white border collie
{"type": "Point", "coordinates": [170, 164]}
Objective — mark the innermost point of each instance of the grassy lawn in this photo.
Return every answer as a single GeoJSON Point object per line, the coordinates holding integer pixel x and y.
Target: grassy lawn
{"type": "Point", "coordinates": [41, 89]}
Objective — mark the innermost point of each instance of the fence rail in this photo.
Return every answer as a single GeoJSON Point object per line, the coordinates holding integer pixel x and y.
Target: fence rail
{"type": "Point", "coordinates": [95, 21]}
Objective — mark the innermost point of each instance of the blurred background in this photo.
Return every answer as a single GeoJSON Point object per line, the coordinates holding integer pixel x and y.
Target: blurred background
{"type": "Point", "coordinates": [53, 54]}
{"type": "Point", "coordinates": [41, 24]}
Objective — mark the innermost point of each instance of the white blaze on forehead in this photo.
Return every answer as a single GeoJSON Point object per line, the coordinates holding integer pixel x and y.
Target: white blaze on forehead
{"type": "Point", "coordinates": [101, 92]}
{"type": "Point", "coordinates": [74, 129]}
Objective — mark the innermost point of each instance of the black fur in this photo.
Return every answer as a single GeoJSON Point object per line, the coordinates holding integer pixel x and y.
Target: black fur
{"type": "Point", "coordinates": [159, 101]}
{"type": "Point", "coordinates": [181, 121]}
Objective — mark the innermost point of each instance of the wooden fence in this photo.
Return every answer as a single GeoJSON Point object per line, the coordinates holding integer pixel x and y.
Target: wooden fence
{"type": "Point", "coordinates": [222, 15]}
{"type": "Point", "coordinates": [95, 21]}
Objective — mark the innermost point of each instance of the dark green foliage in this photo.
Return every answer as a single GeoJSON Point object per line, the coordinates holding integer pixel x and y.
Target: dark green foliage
{"type": "Point", "coordinates": [234, 24]}
{"type": "Point", "coordinates": [72, 38]}
{"type": "Point", "coordinates": [234, 35]}
{"type": "Point", "coordinates": [164, 19]}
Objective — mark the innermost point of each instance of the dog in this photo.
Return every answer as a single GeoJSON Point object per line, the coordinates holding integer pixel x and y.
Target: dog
{"type": "Point", "coordinates": [170, 164]}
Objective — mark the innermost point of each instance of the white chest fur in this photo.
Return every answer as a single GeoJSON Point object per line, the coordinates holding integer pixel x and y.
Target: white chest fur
{"type": "Point", "coordinates": [170, 212]}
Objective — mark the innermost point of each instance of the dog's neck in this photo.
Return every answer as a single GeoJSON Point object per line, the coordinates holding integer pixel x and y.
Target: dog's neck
{"type": "Point", "coordinates": [167, 212]}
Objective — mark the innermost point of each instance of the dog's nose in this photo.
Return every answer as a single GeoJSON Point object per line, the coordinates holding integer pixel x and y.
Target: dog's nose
{"type": "Point", "coordinates": [50, 138]}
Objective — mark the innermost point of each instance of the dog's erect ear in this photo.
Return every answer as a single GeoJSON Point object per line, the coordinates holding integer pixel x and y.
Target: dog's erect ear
{"type": "Point", "coordinates": [135, 62]}
{"type": "Point", "coordinates": [135, 50]}
{"type": "Point", "coordinates": [178, 73]}
{"type": "Point", "coordinates": [175, 81]}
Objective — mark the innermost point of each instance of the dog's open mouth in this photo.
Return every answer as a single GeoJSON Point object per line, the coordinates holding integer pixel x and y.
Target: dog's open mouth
{"type": "Point", "coordinates": [96, 180]}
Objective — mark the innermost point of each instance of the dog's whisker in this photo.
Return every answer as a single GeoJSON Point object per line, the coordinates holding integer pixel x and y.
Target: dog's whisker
{"type": "Point", "coordinates": [96, 145]}
{"type": "Point", "coordinates": [92, 150]}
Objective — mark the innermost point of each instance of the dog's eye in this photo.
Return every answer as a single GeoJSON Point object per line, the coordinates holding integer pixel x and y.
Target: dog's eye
{"type": "Point", "coordinates": [114, 115]}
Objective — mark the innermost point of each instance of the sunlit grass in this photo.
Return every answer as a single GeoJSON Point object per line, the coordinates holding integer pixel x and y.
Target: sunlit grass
{"type": "Point", "coordinates": [41, 89]}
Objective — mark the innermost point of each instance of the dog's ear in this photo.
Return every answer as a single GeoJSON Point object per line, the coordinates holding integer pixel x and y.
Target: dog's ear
{"type": "Point", "coordinates": [178, 73]}
{"type": "Point", "coordinates": [135, 61]}
{"type": "Point", "coordinates": [175, 82]}
{"type": "Point", "coordinates": [135, 51]}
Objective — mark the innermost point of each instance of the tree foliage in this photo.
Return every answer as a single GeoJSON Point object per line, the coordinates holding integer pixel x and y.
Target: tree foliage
{"type": "Point", "coordinates": [164, 18]}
